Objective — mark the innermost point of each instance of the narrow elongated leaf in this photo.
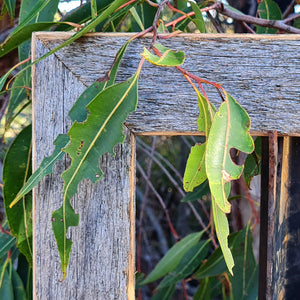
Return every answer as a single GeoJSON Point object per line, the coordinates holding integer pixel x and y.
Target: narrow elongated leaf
{"type": "Point", "coordinates": [199, 21]}
{"type": "Point", "coordinates": [11, 5]}
{"type": "Point", "coordinates": [169, 58]}
{"type": "Point", "coordinates": [18, 287]}
{"type": "Point", "coordinates": [16, 170]}
{"type": "Point", "coordinates": [195, 172]}
{"type": "Point", "coordinates": [78, 111]}
{"type": "Point", "coordinates": [188, 264]}
{"type": "Point", "coordinates": [89, 140]}
{"type": "Point", "coordinates": [6, 242]}
{"type": "Point", "coordinates": [165, 294]}
{"type": "Point", "coordinates": [230, 129]}
{"type": "Point", "coordinates": [45, 167]}
{"type": "Point", "coordinates": [137, 18]}
{"type": "Point", "coordinates": [268, 9]}
{"type": "Point", "coordinates": [204, 290]}
{"type": "Point", "coordinates": [6, 286]}
{"type": "Point", "coordinates": [197, 193]}
{"type": "Point", "coordinates": [171, 260]}
{"type": "Point", "coordinates": [222, 230]}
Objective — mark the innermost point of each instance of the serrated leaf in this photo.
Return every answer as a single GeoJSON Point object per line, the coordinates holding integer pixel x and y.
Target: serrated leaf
{"type": "Point", "coordinates": [16, 170]}
{"type": "Point", "coordinates": [230, 129]}
{"type": "Point", "coordinates": [172, 258]}
{"type": "Point", "coordinates": [222, 230]}
{"type": "Point", "coordinates": [169, 58]}
{"type": "Point", "coordinates": [195, 172]}
{"type": "Point", "coordinates": [188, 264]}
{"type": "Point", "coordinates": [268, 9]}
{"type": "Point", "coordinates": [102, 130]}
{"type": "Point", "coordinates": [45, 167]}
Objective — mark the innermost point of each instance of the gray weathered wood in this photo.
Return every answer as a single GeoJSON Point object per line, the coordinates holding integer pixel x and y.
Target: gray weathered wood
{"type": "Point", "coordinates": [261, 72]}
{"type": "Point", "coordinates": [102, 258]}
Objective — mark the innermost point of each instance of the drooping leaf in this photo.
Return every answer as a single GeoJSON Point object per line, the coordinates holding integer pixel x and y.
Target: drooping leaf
{"type": "Point", "coordinates": [195, 173]}
{"type": "Point", "coordinates": [268, 9]}
{"type": "Point", "coordinates": [172, 258]}
{"type": "Point", "coordinates": [169, 58]}
{"type": "Point", "coordinates": [230, 129]}
{"type": "Point", "coordinates": [222, 230]}
{"type": "Point", "coordinates": [188, 264]}
{"type": "Point", "coordinates": [204, 290]}
{"type": "Point", "coordinates": [45, 167]}
{"type": "Point", "coordinates": [146, 13]}
{"type": "Point", "coordinates": [198, 193]}
{"type": "Point", "coordinates": [165, 293]}
{"type": "Point", "coordinates": [102, 130]}
{"type": "Point", "coordinates": [11, 5]}
{"type": "Point", "coordinates": [198, 21]}
{"type": "Point", "coordinates": [16, 170]}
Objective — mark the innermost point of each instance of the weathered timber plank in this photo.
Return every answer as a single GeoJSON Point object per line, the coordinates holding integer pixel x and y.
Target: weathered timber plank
{"type": "Point", "coordinates": [286, 257]}
{"type": "Point", "coordinates": [102, 257]}
{"type": "Point", "coordinates": [261, 72]}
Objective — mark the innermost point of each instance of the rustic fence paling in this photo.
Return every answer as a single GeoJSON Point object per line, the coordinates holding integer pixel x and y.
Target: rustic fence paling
{"type": "Point", "coordinates": [261, 72]}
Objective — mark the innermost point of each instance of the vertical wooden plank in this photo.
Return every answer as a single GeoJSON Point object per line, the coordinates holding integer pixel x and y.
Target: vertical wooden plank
{"type": "Point", "coordinates": [286, 256]}
{"type": "Point", "coordinates": [102, 258]}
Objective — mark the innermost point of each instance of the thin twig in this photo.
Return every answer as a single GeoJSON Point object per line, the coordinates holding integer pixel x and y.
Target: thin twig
{"type": "Point", "coordinates": [289, 10]}
{"type": "Point", "coordinates": [214, 22]}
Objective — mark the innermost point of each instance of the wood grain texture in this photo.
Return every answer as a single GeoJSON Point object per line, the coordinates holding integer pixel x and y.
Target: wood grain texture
{"type": "Point", "coordinates": [102, 257]}
{"type": "Point", "coordinates": [261, 72]}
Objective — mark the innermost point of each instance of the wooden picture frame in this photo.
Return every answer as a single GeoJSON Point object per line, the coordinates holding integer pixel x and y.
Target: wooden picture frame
{"type": "Point", "coordinates": [260, 71]}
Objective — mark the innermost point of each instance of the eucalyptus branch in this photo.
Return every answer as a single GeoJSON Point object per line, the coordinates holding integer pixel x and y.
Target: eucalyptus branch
{"type": "Point", "coordinates": [220, 8]}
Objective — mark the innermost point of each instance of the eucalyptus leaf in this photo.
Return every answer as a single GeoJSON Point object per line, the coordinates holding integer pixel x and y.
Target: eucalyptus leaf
{"type": "Point", "coordinates": [172, 258]}
{"type": "Point", "coordinates": [45, 167]}
{"type": "Point", "coordinates": [16, 170]}
{"type": "Point", "coordinates": [18, 287]}
{"type": "Point", "coordinates": [6, 285]}
{"type": "Point", "coordinates": [102, 130]}
{"type": "Point", "coordinates": [169, 58]}
{"type": "Point", "coordinates": [188, 264]}
{"type": "Point", "coordinates": [6, 242]}
{"type": "Point", "coordinates": [199, 21]}
{"type": "Point", "coordinates": [11, 5]}
{"type": "Point", "coordinates": [268, 9]}
{"type": "Point", "coordinates": [165, 293]}
{"type": "Point", "coordinates": [230, 129]}
{"type": "Point", "coordinates": [197, 193]}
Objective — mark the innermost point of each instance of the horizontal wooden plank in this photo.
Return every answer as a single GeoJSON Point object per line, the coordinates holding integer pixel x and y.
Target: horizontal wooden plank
{"type": "Point", "coordinates": [261, 71]}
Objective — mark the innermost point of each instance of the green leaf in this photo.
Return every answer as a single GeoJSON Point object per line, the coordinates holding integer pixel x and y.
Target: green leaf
{"type": "Point", "coordinates": [89, 140]}
{"type": "Point", "coordinates": [6, 286]}
{"type": "Point", "coordinates": [172, 258]}
{"type": "Point", "coordinates": [188, 264]}
{"type": "Point", "coordinates": [23, 35]}
{"type": "Point", "coordinates": [18, 287]}
{"type": "Point", "coordinates": [11, 5]}
{"type": "Point", "coordinates": [78, 111]}
{"type": "Point", "coordinates": [230, 129]}
{"type": "Point", "coordinates": [198, 21]}
{"type": "Point", "coordinates": [6, 242]}
{"type": "Point", "coordinates": [204, 290]}
{"type": "Point", "coordinates": [253, 163]}
{"type": "Point", "coordinates": [16, 170]}
{"type": "Point", "coordinates": [245, 279]}
{"type": "Point", "coordinates": [268, 9]}
{"type": "Point", "coordinates": [137, 18]}
{"type": "Point", "coordinates": [195, 173]}
{"type": "Point", "coordinates": [222, 230]}
{"type": "Point", "coordinates": [169, 58]}
{"type": "Point", "coordinates": [45, 167]}
{"type": "Point", "coordinates": [198, 193]}
{"type": "Point", "coordinates": [165, 294]}
{"type": "Point", "coordinates": [146, 13]}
